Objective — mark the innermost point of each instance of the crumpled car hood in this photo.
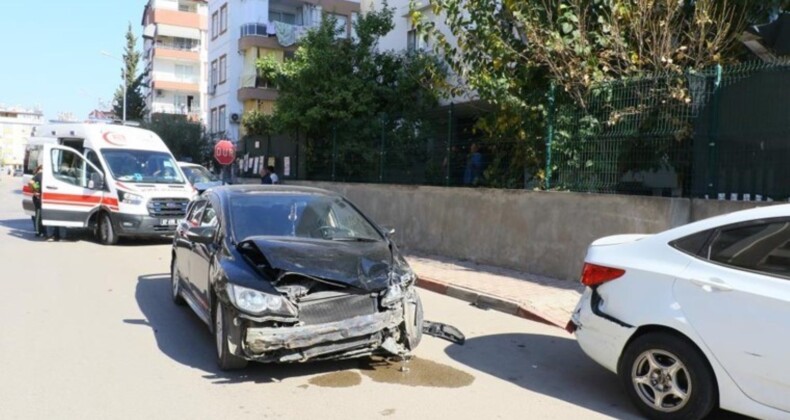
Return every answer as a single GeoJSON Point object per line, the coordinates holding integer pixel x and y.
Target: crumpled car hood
{"type": "Point", "coordinates": [361, 265]}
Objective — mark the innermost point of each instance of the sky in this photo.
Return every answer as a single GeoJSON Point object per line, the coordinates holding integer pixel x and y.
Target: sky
{"type": "Point", "coordinates": [50, 52]}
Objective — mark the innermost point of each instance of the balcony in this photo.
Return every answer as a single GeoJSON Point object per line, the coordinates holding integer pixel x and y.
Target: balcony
{"type": "Point", "coordinates": [173, 84]}
{"type": "Point", "coordinates": [261, 35]}
{"type": "Point", "coordinates": [178, 18]}
{"type": "Point", "coordinates": [192, 114]}
{"type": "Point", "coordinates": [253, 87]}
{"type": "Point", "coordinates": [176, 52]}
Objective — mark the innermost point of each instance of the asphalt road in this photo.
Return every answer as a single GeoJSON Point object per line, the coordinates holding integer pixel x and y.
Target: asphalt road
{"type": "Point", "coordinates": [88, 331]}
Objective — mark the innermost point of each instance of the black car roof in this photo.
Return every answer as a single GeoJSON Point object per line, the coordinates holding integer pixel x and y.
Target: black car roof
{"type": "Point", "coordinates": [230, 191]}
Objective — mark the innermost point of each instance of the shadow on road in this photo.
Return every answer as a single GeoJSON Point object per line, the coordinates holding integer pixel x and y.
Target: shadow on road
{"type": "Point", "coordinates": [20, 228]}
{"type": "Point", "coordinates": [184, 338]}
{"type": "Point", "coordinates": [552, 366]}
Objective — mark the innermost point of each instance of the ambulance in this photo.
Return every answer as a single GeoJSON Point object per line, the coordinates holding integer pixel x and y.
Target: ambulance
{"type": "Point", "coordinates": [117, 180]}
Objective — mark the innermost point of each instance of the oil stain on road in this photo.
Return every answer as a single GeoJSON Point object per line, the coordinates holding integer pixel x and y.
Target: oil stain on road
{"type": "Point", "coordinates": [416, 372]}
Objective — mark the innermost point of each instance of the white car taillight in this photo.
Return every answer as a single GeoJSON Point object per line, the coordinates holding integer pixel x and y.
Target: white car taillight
{"type": "Point", "coordinates": [594, 275]}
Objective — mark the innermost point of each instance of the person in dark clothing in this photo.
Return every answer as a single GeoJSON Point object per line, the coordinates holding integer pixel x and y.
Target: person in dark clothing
{"type": "Point", "coordinates": [266, 176]}
{"type": "Point", "coordinates": [35, 185]}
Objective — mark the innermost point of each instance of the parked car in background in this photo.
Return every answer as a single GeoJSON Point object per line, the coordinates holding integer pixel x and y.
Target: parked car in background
{"type": "Point", "coordinates": [289, 274]}
{"type": "Point", "coordinates": [694, 317]}
{"type": "Point", "coordinates": [200, 177]}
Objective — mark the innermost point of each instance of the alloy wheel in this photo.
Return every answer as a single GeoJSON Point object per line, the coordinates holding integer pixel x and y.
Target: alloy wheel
{"type": "Point", "coordinates": [661, 380]}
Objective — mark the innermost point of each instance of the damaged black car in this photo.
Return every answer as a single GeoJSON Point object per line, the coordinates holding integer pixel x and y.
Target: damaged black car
{"type": "Point", "coordinates": [292, 274]}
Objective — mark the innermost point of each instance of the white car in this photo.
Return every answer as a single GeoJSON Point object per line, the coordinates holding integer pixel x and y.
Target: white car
{"type": "Point", "coordinates": [200, 177]}
{"type": "Point", "coordinates": [694, 317]}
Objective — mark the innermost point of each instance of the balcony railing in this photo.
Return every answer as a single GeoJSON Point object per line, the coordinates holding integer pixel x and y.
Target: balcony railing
{"type": "Point", "coordinates": [255, 29]}
{"type": "Point", "coordinates": [178, 47]}
{"type": "Point", "coordinates": [255, 81]}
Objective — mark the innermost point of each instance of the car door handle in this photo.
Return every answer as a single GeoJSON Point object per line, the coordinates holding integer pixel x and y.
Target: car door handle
{"type": "Point", "coordinates": [49, 187]}
{"type": "Point", "coordinates": [713, 284]}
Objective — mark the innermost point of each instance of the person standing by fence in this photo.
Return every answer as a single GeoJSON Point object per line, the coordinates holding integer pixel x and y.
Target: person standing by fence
{"type": "Point", "coordinates": [474, 166]}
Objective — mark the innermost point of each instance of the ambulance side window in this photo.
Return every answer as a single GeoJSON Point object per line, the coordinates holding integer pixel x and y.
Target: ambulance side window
{"type": "Point", "coordinates": [32, 157]}
{"type": "Point", "coordinates": [71, 168]}
{"type": "Point", "coordinates": [94, 159]}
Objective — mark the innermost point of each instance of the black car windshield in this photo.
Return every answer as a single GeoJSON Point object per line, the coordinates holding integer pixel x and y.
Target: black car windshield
{"type": "Point", "coordinates": [198, 174]}
{"type": "Point", "coordinates": [143, 166]}
{"type": "Point", "coordinates": [299, 215]}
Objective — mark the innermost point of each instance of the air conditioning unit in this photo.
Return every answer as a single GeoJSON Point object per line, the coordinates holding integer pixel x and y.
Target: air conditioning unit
{"type": "Point", "coordinates": [235, 118]}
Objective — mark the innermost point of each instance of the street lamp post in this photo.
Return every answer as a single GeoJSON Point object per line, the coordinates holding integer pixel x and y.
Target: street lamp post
{"type": "Point", "coordinates": [123, 74]}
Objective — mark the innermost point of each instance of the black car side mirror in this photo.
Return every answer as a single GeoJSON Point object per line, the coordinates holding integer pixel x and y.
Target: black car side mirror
{"type": "Point", "coordinates": [389, 232]}
{"type": "Point", "coordinates": [96, 182]}
{"type": "Point", "coordinates": [201, 234]}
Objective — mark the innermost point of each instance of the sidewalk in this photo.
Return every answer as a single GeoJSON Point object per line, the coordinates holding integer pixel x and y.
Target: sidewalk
{"type": "Point", "coordinates": [533, 297]}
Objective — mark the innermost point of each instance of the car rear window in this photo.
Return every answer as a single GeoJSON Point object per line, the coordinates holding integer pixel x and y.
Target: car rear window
{"type": "Point", "coordinates": [693, 244]}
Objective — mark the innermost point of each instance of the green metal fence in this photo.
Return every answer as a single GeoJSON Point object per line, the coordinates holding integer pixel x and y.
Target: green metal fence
{"type": "Point", "coordinates": [714, 133]}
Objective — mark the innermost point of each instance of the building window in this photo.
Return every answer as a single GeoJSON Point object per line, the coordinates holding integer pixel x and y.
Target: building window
{"type": "Point", "coordinates": [341, 25]}
{"type": "Point", "coordinates": [289, 55]}
{"type": "Point", "coordinates": [411, 40]}
{"type": "Point", "coordinates": [185, 73]}
{"type": "Point", "coordinates": [221, 119]}
{"type": "Point", "coordinates": [214, 25]}
{"type": "Point", "coordinates": [213, 121]}
{"type": "Point", "coordinates": [223, 19]}
{"type": "Point", "coordinates": [214, 74]}
{"type": "Point", "coordinates": [186, 7]}
{"type": "Point", "coordinates": [223, 68]}
{"type": "Point", "coordinates": [283, 17]}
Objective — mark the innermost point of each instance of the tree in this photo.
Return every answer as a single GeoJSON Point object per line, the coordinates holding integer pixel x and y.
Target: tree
{"type": "Point", "coordinates": [346, 89]}
{"type": "Point", "coordinates": [135, 100]}
{"type": "Point", "coordinates": [186, 139]}
{"type": "Point", "coordinates": [510, 51]}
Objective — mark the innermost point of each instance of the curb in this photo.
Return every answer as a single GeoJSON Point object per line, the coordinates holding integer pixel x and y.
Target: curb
{"type": "Point", "coordinates": [482, 300]}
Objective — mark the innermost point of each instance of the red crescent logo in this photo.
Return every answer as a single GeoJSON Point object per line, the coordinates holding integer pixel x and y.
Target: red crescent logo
{"type": "Point", "coordinates": [116, 139]}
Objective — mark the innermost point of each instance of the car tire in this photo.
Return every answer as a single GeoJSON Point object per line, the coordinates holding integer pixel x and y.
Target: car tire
{"type": "Point", "coordinates": [175, 284]}
{"type": "Point", "coordinates": [225, 359]}
{"type": "Point", "coordinates": [670, 367]}
{"type": "Point", "coordinates": [105, 231]}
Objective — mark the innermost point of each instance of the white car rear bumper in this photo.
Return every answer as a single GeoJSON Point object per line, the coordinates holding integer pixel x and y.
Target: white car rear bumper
{"type": "Point", "coordinates": [600, 338]}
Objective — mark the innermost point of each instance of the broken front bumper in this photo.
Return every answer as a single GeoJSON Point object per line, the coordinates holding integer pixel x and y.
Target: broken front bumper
{"type": "Point", "coordinates": [347, 338]}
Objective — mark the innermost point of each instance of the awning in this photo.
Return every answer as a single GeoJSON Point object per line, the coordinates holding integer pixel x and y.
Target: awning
{"type": "Point", "coordinates": [149, 31]}
{"type": "Point", "coordinates": [178, 31]}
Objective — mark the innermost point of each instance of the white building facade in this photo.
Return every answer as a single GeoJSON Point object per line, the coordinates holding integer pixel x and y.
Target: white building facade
{"type": "Point", "coordinates": [16, 127]}
{"type": "Point", "coordinates": [242, 31]}
{"type": "Point", "coordinates": [175, 55]}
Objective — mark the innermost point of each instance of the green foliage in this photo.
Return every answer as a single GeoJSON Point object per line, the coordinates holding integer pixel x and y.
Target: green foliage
{"type": "Point", "coordinates": [186, 139]}
{"type": "Point", "coordinates": [508, 51]}
{"type": "Point", "coordinates": [345, 89]}
{"type": "Point", "coordinates": [135, 100]}
{"type": "Point", "coordinates": [257, 123]}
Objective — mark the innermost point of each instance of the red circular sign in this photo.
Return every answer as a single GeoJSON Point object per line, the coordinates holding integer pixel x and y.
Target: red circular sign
{"type": "Point", "coordinates": [224, 152]}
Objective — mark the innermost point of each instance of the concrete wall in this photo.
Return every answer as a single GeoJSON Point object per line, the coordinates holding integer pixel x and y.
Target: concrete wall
{"type": "Point", "coordinates": [544, 233]}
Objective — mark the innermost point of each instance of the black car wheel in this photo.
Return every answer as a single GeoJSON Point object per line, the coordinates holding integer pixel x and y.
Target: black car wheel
{"type": "Point", "coordinates": [225, 359]}
{"type": "Point", "coordinates": [666, 377]}
{"type": "Point", "coordinates": [175, 283]}
{"type": "Point", "coordinates": [107, 235]}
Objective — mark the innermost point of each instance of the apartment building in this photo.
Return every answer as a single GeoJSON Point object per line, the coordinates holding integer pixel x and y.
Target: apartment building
{"type": "Point", "coordinates": [241, 32]}
{"type": "Point", "coordinates": [175, 57]}
{"type": "Point", "coordinates": [16, 126]}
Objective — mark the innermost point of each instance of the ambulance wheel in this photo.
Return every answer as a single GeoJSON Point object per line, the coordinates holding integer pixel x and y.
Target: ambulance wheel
{"type": "Point", "coordinates": [107, 235]}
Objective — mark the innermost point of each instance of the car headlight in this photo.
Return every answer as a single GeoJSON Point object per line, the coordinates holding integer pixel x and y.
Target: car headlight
{"type": "Point", "coordinates": [255, 302]}
{"type": "Point", "coordinates": [392, 296]}
{"type": "Point", "coordinates": [129, 198]}
{"type": "Point", "coordinates": [402, 275]}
